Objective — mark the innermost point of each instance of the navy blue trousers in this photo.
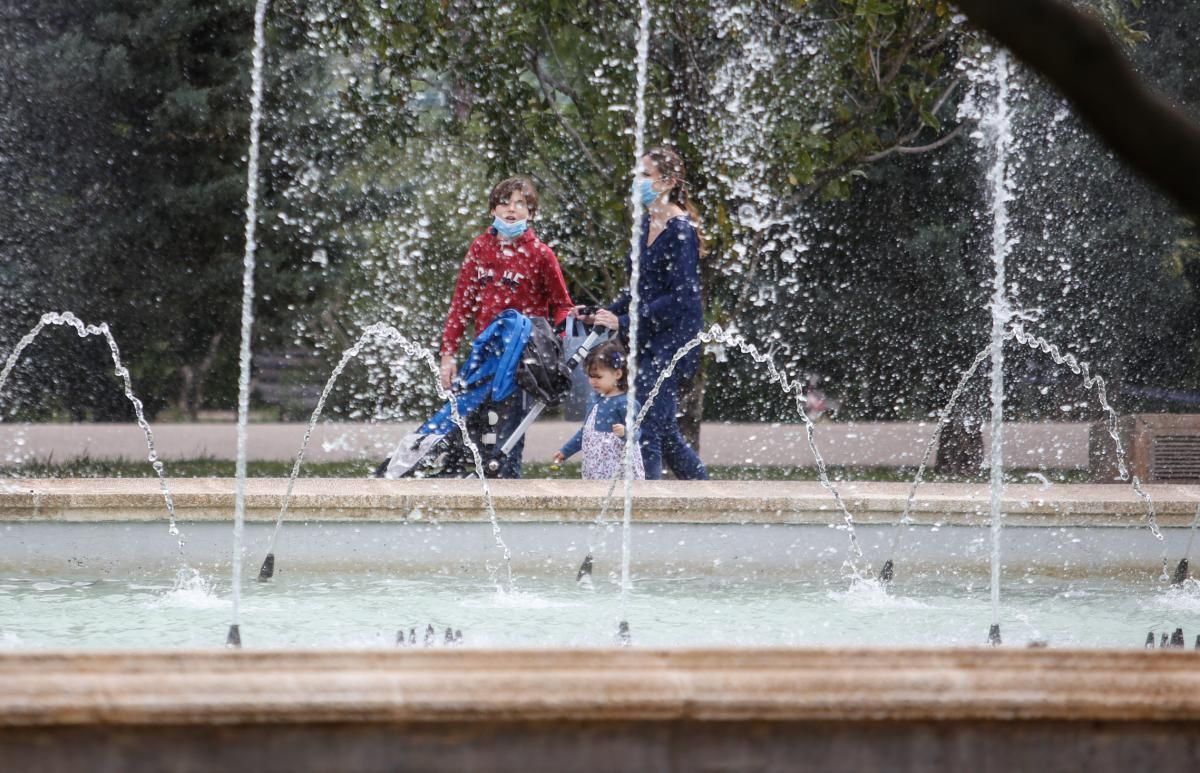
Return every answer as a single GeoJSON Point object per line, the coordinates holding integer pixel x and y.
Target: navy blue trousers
{"type": "Point", "coordinates": [662, 442]}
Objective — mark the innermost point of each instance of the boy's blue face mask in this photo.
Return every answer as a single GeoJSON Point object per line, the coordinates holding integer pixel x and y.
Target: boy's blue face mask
{"type": "Point", "coordinates": [645, 191]}
{"type": "Point", "coordinates": [509, 230]}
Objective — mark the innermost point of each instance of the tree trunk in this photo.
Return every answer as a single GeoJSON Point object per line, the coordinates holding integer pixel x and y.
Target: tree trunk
{"type": "Point", "coordinates": [960, 447]}
{"type": "Point", "coordinates": [194, 378]}
{"type": "Point", "coordinates": [187, 386]}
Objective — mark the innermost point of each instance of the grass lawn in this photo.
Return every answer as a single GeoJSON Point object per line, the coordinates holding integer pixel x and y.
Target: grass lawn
{"type": "Point", "coordinates": [222, 468]}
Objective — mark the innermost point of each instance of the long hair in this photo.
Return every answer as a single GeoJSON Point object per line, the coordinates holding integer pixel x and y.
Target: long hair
{"type": "Point", "coordinates": [670, 165]}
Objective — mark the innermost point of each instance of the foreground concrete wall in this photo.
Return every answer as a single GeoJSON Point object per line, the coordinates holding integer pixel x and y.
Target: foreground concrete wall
{"type": "Point", "coordinates": [605, 747]}
{"type": "Point", "coordinates": [583, 710]}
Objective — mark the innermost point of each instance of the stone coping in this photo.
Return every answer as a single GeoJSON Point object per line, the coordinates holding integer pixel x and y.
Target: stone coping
{"type": "Point", "coordinates": [543, 500]}
{"type": "Point", "coordinates": [215, 687]}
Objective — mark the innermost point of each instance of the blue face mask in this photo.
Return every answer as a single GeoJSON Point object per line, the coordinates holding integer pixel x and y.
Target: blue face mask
{"type": "Point", "coordinates": [646, 192]}
{"type": "Point", "coordinates": [509, 230]}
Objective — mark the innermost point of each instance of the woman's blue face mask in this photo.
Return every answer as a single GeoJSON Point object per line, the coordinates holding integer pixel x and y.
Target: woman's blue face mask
{"type": "Point", "coordinates": [646, 192]}
{"type": "Point", "coordinates": [509, 230]}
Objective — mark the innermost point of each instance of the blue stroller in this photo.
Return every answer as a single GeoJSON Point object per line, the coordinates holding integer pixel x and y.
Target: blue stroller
{"type": "Point", "coordinates": [514, 350]}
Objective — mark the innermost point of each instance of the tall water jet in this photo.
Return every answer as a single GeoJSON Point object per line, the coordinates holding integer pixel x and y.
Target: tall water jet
{"type": "Point", "coordinates": [997, 129]}
{"type": "Point", "coordinates": [239, 502]}
{"type": "Point", "coordinates": [643, 50]}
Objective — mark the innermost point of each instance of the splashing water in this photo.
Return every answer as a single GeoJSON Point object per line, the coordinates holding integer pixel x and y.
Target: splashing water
{"type": "Point", "coordinates": [83, 331]}
{"type": "Point", "coordinates": [191, 590]}
{"type": "Point", "coordinates": [380, 332]}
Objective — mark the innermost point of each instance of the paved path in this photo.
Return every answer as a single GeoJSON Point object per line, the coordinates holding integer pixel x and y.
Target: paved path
{"type": "Point", "coordinates": [1052, 445]}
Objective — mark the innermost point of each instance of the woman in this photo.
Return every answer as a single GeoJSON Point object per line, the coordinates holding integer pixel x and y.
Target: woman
{"type": "Point", "coordinates": [669, 311]}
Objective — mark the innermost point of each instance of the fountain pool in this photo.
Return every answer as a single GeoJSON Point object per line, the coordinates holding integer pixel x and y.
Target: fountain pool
{"type": "Point", "coordinates": [718, 564]}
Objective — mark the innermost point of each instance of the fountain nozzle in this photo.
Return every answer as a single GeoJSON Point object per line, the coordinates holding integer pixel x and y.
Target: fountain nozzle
{"type": "Point", "coordinates": [623, 636]}
{"type": "Point", "coordinates": [1150, 641]}
{"type": "Point", "coordinates": [585, 569]}
{"type": "Point", "coordinates": [994, 635]}
{"type": "Point", "coordinates": [268, 568]}
{"type": "Point", "coordinates": [887, 572]}
{"type": "Point", "coordinates": [1181, 572]}
{"type": "Point", "coordinates": [1177, 639]}
{"type": "Point", "coordinates": [234, 639]}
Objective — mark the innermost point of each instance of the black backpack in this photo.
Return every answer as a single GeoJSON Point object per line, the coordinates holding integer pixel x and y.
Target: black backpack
{"type": "Point", "coordinates": [542, 371]}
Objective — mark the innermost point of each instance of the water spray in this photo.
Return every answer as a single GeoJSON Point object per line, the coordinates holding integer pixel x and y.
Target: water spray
{"type": "Point", "coordinates": [83, 330]}
{"type": "Point", "coordinates": [793, 387]}
{"type": "Point", "coordinates": [383, 332]}
{"type": "Point", "coordinates": [377, 331]}
{"type": "Point", "coordinates": [888, 572]}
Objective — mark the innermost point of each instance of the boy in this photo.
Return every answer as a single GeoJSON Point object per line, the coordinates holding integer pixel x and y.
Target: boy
{"type": "Point", "coordinates": [506, 267]}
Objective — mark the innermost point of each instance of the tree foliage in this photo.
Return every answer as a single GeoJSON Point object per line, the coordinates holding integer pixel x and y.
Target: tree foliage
{"type": "Point", "coordinates": [840, 191]}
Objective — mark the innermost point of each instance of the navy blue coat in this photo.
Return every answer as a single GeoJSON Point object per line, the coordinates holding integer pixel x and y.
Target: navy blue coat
{"type": "Point", "coordinates": [669, 310]}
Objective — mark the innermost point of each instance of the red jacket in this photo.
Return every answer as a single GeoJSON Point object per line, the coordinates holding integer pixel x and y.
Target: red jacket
{"type": "Point", "coordinates": [523, 274]}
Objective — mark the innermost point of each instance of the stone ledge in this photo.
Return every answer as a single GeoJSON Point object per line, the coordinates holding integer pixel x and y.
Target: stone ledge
{"type": "Point", "coordinates": [217, 687]}
{"type": "Point", "coordinates": [327, 499]}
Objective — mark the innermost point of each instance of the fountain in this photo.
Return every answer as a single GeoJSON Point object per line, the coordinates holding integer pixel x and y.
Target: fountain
{"type": "Point", "coordinates": [747, 616]}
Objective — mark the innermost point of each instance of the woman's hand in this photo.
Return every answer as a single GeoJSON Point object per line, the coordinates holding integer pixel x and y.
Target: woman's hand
{"type": "Point", "coordinates": [448, 371]}
{"type": "Point", "coordinates": [605, 318]}
{"type": "Point", "coordinates": [619, 430]}
{"type": "Point", "coordinates": [559, 458]}
{"type": "Point", "coordinates": [578, 313]}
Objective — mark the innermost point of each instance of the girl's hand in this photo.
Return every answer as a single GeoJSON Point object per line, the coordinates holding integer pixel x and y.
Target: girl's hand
{"type": "Point", "coordinates": [558, 457]}
{"type": "Point", "coordinates": [605, 318]}
{"type": "Point", "coordinates": [448, 370]}
{"type": "Point", "coordinates": [619, 430]}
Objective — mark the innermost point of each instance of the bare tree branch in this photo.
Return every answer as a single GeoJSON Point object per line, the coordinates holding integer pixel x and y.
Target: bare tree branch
{"type": "Point", "coordinates": [536, 65]}
{"type": "Point", "coordinates": [915, 149]}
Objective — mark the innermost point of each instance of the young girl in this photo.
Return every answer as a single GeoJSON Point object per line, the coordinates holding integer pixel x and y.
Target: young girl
{"type": "Point", "coordinates": [602, 436]}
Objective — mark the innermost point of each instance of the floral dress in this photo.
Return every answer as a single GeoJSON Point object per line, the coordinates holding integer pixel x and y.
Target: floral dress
{"type": "Point", "coordinates": [604, 453]}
